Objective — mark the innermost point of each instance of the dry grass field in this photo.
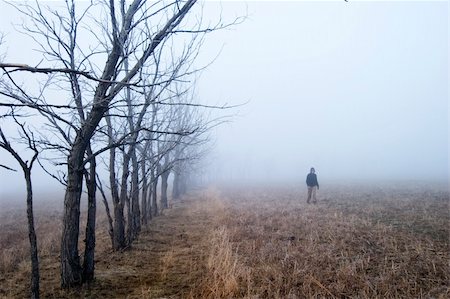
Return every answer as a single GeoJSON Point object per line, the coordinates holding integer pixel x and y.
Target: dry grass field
{"type": "Point", "coordinates": [378, 241]}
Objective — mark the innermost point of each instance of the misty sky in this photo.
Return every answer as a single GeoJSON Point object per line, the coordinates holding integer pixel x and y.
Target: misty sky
{"type": "Point", "coordinates": [357, 90]}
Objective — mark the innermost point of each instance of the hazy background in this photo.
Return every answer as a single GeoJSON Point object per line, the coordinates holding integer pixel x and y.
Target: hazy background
{"type": "Point", "coordinates": [358, 90]}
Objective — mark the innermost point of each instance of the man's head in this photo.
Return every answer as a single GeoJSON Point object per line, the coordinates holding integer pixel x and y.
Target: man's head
{"type": "Point", "coordinates": [312, 170]}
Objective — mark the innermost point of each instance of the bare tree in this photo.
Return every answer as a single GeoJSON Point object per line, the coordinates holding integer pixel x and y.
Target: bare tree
{"type": "Point", "coordinates": [26, 166]}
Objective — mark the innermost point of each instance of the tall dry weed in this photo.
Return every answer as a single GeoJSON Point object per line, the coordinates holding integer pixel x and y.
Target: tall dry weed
{"type": "Point", "coordinates": [223, 268]}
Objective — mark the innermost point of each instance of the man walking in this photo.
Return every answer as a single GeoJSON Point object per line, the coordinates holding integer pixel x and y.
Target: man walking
{"type": "Point", "coordinates": [313, 185]}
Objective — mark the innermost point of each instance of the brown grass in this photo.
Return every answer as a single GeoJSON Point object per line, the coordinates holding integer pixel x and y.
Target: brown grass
{"type": "Point", "coordinates": [386, 243]}
{"type": "Point", "coordinates": [357, 242]}
{"type": "Point", "coordinates": [223, 269]}
{"type": "Point", "coordinates": [14, 234]}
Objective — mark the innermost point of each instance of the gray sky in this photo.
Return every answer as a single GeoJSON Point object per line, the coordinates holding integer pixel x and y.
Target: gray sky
{"type": "Point", "coordinates": [357, 90]}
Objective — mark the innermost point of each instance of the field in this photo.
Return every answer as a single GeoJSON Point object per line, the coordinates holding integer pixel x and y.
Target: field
{"type": "Point", "coordinates": [377, 241]}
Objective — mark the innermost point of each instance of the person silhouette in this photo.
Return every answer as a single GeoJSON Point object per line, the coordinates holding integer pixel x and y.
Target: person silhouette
{"type": "Point", "coordinates": [313, 185]}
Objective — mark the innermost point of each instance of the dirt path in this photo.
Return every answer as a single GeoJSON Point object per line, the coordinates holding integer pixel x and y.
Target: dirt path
{"type": "Point", "coordinates": [168, 260]}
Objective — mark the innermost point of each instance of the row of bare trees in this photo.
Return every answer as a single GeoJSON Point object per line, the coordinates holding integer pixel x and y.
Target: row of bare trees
{"type": "Point", "coordinates": [112, 112]}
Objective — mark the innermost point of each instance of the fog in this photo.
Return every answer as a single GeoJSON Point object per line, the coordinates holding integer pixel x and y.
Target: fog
{"type": "Point", "coordinates": [358, 90]}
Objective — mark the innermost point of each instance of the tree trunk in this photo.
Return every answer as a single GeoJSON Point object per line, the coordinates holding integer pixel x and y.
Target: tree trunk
{"type": "Point", "coordinates": [149, 201]}
{"type": "Point", "coordinates": [108, 213]}
{"type": "Point", "coordinates": [135, 209]}
{"type": "Point", "coordinates": [119, 227]}
{"type": "Point", "coordinates": [32, 237]}
{"type": "Point", "coordinates": [164, 184]}
{"type": "Point", "coordinates": [118, 238]}
{"type": "Point", "coordinates": [124, 198]}
{"type": "Point", "coordinates": [144, 194]}
{"type": "Point", "coordinates": [71, 271]}
{"type": "Point", "coordinates": [89, 252]}
{"type": "Point", "coordinates": [129, 220]}
{"type": "Point", "coordinates": [154, 195]}
{"type": "Point", "coordinates": [119, 241]}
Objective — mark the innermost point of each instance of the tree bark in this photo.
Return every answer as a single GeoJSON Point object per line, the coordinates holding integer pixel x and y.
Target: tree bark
{"type": "Point", "coordinates": [129, 219]}
{"type": "Point", "coordinates": [144, 194]}
{"type": "Point", "coordinates": [71, 271]}
{"type": "Point", "coordinates": [108, 213]}
{"type": "Point", "coordinates": [154, 210]}
{"type": "Point", "coordinates": [164, 185]}
{"type": "Point", "coordinates": [149, 201]}
{"type": "Point", "coordinates": [89, 252]}
{"type": "Point", "coordinates": [32, 238]}
{"type": "Point", "coordinates": [135, 225]}
{"type": "Point", "coordinates": [119, 227]}
{"type": "Point", "coordinates": [135, 194]}
{"type": "Point", "coordinates": [118, 238]}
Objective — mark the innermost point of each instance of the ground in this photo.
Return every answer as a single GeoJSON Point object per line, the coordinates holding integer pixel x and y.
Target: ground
{"type": "Point", "coordinates": [368, 241]}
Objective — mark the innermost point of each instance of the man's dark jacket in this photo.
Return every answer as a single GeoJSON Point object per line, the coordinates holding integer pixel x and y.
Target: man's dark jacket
{"type": "Point", "coordinates": [311, 180]}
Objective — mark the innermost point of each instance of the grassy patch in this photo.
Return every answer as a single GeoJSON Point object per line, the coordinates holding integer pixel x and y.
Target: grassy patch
{"type": "Point", "coordinates": [357, 242]}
